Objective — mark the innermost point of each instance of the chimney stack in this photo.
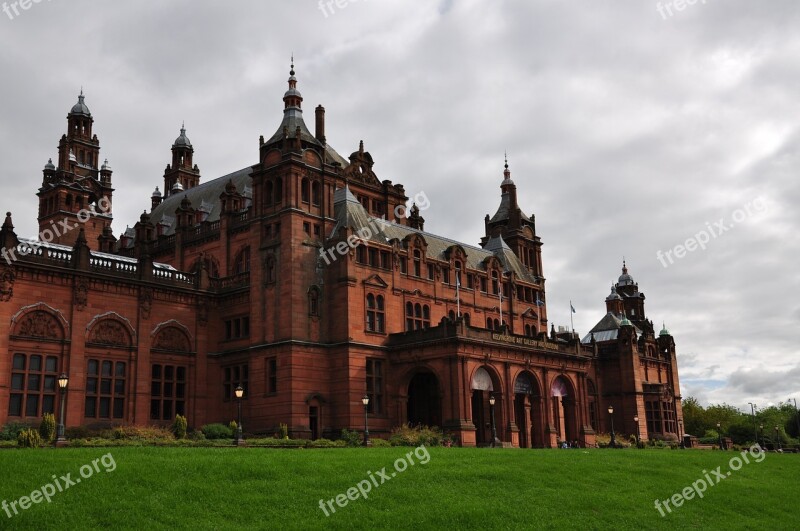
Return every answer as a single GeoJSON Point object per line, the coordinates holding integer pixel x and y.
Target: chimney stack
{"type": "Point", "coordinates": [320, 129]}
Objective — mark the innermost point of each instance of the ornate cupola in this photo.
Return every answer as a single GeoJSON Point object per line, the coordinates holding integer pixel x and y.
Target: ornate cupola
{"type": "Point", "coordinates": [516, 228]}
{"type": "Point", "coordinates": [182, 171]}
{"type": "Point", "coordinates": [292, 98]}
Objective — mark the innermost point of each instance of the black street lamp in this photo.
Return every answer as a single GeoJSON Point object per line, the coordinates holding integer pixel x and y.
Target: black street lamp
{"type": "Point", "coordinates": [753, 408]}
{"type": "Point", "coordinates": [680, 433]}
{"type": "Point", "coordinates": [761, 426]}
{"type": "Point", "coordinates": [636, 420]}
{"type": "Point", "coordinates": [63, 381]}
{"type": "Point", "coordinates": [491, 415]}
{"type": "Point", "coordinates": [613, 443]}
{"type": "Point", "coordinates": [365, 401]}
{"type": "Point", "coordinates": [777, 439]}
{"type": "Point", "coordinates": [719, 435]}
{"type": "Point", "coordinates": [239, 394]}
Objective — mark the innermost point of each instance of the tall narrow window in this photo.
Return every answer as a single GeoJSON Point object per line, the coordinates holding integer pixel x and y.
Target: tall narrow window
{"type": "Point", "coordinates": [167, 392]}
{"type": "Point", "coordinates": [417, 264]}
{"type": "Point", "coordinates": [495, 283]}
{"type": "Point", "coordinates": [375, 314]}
{"type": "Point", "coordinates": [304, 191]}
{"type": "Point", "coordinates": [234, 377]}
{"type": "Point", "coordinates": [315, 195]}
{"type": "Point", "coordinates": [33, 385]}
{"type": "Point", "coordinates": [375, 386]}
{"type": "Point", "coordinates": [272, 375]}
{"type": "Point", "coordinates": [105, 389]}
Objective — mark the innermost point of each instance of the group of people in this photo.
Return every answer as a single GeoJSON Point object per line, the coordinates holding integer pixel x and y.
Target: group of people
{"type": "Point", "coordinates": [570, 444]}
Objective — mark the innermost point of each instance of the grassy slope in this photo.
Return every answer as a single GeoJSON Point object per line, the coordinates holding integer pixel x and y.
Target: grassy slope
{"type": "Point", "coordinates": [459, 488]}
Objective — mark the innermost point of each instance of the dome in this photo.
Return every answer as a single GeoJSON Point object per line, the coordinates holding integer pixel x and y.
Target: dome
{"type": "Point", "coordinates": [664, 331]}
{"type": "Point", "coordinates": [49, 166]}
{"type": "Point", "coordinates": [625, 279]}
{"type": "Point", "coordinates": [105, 166]}
{"type": "Point", "coordinates": [177, 187]}
{"type": "Point", "coordinates": [183, 140]}
{"type": "Point", "coordinates": [157, 193]}
{"type": "Point", "coordinates": [613, 296]}
{"type": "Point", "coordinates": [625, 321]}
{"type": "Point", "coordinates": [72, 157]}
{"type": "Point", "coordinates": [80, 107]}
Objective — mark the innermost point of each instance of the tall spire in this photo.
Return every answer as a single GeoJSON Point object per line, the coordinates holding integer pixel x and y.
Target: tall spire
{"type": "Point", "coordinates": [292, 98]}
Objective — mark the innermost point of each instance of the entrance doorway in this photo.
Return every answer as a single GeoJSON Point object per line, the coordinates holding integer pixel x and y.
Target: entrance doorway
{"type": "Point", "coordinates": [424, 402]}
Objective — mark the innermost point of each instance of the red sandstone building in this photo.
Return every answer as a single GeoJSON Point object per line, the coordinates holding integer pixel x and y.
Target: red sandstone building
{"type": "Point", "coordinates": [302, 278]}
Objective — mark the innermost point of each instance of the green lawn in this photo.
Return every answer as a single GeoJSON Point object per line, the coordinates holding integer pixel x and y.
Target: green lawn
{"type": "Point", "coordinates": [458, 488]}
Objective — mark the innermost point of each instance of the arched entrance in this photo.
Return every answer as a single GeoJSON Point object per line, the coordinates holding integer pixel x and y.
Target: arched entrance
{"type": "Point", "coordinates": [527, 410]}
{"type": "Point", "coordinates": [424, 401]}
{"type": "Point", "coordinates": [563, 409]}
{"type": "Point", "coordinates": [483, 387]}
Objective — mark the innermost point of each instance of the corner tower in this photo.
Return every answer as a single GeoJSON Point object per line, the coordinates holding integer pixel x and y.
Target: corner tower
{"type": "Point", "coordinates": [76, 192]}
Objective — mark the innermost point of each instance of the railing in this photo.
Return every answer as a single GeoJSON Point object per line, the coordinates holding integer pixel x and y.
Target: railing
{"type": "Point", "coordinates": [110, 265]}
{"type": "Point", "coordinates": [176, 277]}
{"type": "Point", "coordinates": [235, 281]}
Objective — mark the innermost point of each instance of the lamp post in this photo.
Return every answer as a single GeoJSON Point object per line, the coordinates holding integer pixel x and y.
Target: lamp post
{"type": "Point", "coordinates": [365, 401]}
{"type": "Point", "coordinates": [777, 439]}
{"type": "Point", "coordinates": [680, 433]}
{"type": "Point", "coordinates": [636, 420]}
{"type": "Point", "coordinates": [63, 381]}
{"type": "Point", "coordinates": [719, 435]}
{"type": "Point", "coordinates": [491, 416]}
{"type": "Point", "coordinates": [761, 426]}
{"type": "Point", "coordinates": [613, 443]}
{"type": "Point", "coordinates": [753, 414]}
{"type": "Point", "coordinates": [239, 394]}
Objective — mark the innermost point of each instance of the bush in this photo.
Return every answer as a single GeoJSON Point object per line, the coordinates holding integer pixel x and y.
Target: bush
{"type": "Point", "coordinates": [232, 425]}
{"type": "Point", "coordinates": [283, 432]}
{"type": "Point", "coordinates": [77, 432]}
{"type": "Point", "coordinates": [217, 431]}
{"type": "Point", "coordinates": [139, 433]}
{"type": "Point", "coordinates": [47, 428]}
{"type": "Point", "coordinates": [380, 443]}
{"type": "Point", "coordinates": [351, 438]}
{"type": "Point", "coordinates": [326, 443]}
{"type": "Point", "coordinates": [179, 427]}
{"type": "Point", "coordinates": [407, 436]}
{"type": "Point", "coordinates": [29, 438]}
{"type": "Point", "coordinates": [11, 430]}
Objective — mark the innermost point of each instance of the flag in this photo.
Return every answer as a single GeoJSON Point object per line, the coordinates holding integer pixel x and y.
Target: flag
{"type": "Point", "coordinates": [571, 307]}
{"type": "Point", "coordinates": [539, 302]}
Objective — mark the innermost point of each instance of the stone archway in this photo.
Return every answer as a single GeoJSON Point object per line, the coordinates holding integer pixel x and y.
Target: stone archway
{"type": "Point", "coordinates": [424, 400]}
{"type": "Point", "coordinates": [528, 411]}
{"type": "Point", "coordinates": [563, 412]}
{"type": "Point", "coordinates": [485, 384]}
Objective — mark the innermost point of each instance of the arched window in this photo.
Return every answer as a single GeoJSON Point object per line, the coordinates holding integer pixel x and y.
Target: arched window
{"type": "Point", "coordinates": [496, 324]}
{"type": "Point", "coordinates": [495, 285]}
{"type": "Point", "coordinates": [417, 263]}
{"type": "Point", "coordinates": [313, 301]}
{"type": "Point", "coordinates": [458, 273]}
{"type": "Point", "coordinates": [452, 315]}
{"type": "Point", "coordinates": [466, 318]}
{"type": "Point", "coordinates": [417, 316]}
{"type": "Point", "coordinates": [426, 316]}
{"type": "Point", "coordinates": [315, 193]}
{"type": "Point", "coordinates": [528, 330]}
{"type": "Point", "coordinates": [489, 324]}
{"type": "Point", "coordinates": [242, 262]}
{"type": "Point", "coordinates": [409, 316]}
{"type": "Point", "coordinates": [69, 200]}
{"type": "Point", "coordinates": [304, 190]}
{"type": "Point", "coordinates": [375, 314]}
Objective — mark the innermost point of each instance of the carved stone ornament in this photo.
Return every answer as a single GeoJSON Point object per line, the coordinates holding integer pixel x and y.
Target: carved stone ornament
{"type": "Point", "coordinates": [146, 302]}
{"type": "Point", "coordinates": [110, 333]}
{"type": "Point", "coordinates": [6, 284]}
{"type": "Point", "coordinates": [81, 294]}
{"type": "Point", "coordinates": [39, 324]}
{"type": "Point", "coordinates": [172, 338]}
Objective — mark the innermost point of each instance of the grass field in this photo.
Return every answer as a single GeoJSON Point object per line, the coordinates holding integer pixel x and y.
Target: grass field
{"type": "Point", "coordinates": [457, 488]}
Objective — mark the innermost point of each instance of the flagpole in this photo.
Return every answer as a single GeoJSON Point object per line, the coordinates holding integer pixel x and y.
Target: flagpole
{"type": "Point", "coordinates": [500, 293]}
{"type": "Point", "coordinates": [458, 295]}
{"type": "Point", "coordinates": [570, 317]}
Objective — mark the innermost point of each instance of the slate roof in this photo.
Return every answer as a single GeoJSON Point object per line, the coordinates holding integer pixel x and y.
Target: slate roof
{"type": "Point", "coordinates": [204, 195]}
{"type": "Point", "coordinates": [292, 119]}
{"type": "Point", "coordinates": [607, 329]}
{"type": "Point", "coordinates": [504, 210]}
{"type": "Point", "coordinates": [349, 212]}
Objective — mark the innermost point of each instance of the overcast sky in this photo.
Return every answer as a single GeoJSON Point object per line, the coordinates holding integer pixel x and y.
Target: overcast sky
{"type": "Point", "coordinates": [628, 131]}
